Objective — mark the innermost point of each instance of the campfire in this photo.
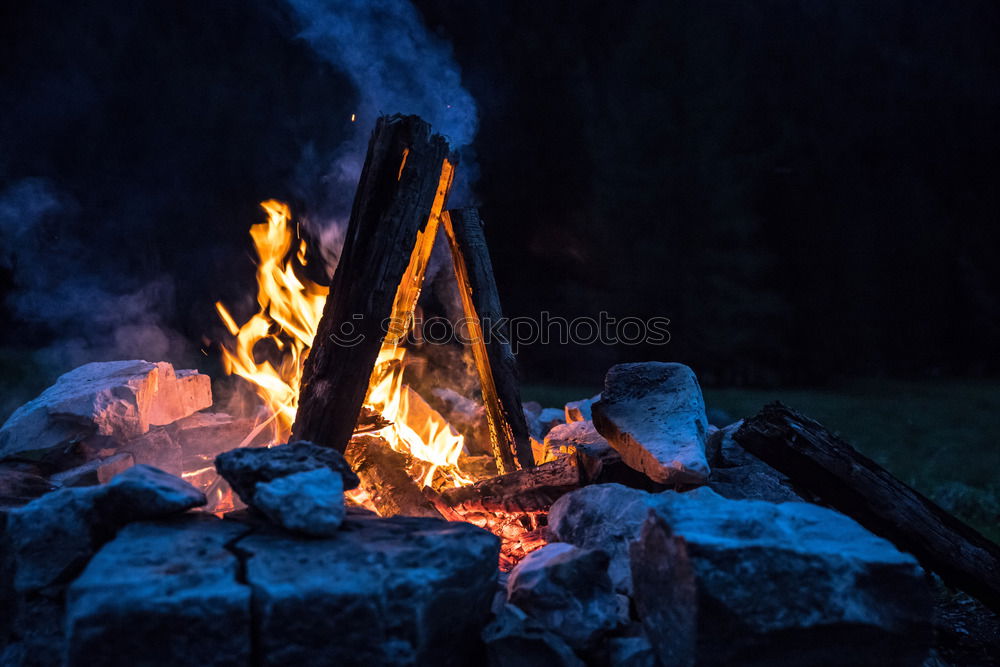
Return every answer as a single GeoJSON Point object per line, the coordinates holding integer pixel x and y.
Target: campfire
{"type": "Point", "coordinates": [350, 499]}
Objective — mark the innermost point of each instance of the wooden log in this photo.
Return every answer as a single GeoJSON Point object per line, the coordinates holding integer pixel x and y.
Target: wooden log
{"type": "Point", "coordinates": [405, 177]}
{"type": "Point", "coordinates": [383, 476]}
{"type": "Point", "coordinates": [839, 476]}
{"type": "Point", "coordinates": [522, 491]}
{"type": "Point", "coordinates": [492, 354]}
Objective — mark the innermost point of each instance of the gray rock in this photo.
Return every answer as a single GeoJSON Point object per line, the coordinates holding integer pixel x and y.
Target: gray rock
{"type": "Point", "coordinates": [311, 503]}
{"type": "Point", "coordinates": [144, 492]}
{"type": "Point", "coordinates": [513, 639]}
{"type": "Point", "coordinates": [53, 537]}
{"type": "Point", "coordinates": [549, 418]}
{"type": "Point", "coordinates": [158, 449]}
{"type": "Point", "coordinates": [246, 467]}
{"type": "Point", "coordinates": [92, 473]}
{"type": "Point", "coordinates": [579, 411]}
{"type": "Point", "coordinates": [654, 415]}
{"type": "Point", "coordinates": [606, 517]}
{"type": "Point", "coordinates": [781, 582]}
{"type": "Point", "coordinates": [119, 399]}
{"type": "Point", "coordinates": [208, 434]}
{"type": "Point", "coordinates": [577, 436]}
{"type": "Point", "coordinates": [739, 475]}
{"type": "Point", "coordinates": [401, 591]}
{"type": "Point", "coordinates": [164, 593]}
{"type": "Point", "coordinates": [566, 590]}
{"type": "Point", "coordinates": [665, 591]}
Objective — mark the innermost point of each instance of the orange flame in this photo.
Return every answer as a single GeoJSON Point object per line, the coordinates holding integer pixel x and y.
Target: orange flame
{"type": "Point", "coordinates": [289, 315]}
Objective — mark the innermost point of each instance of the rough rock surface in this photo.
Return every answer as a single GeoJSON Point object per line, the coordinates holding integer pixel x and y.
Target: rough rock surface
{"type": "Point", "coordinates": [246, 467]}
{"type": "Point", "coordinates": [401, 591]}
{"type": "Point", "coordinates": [577, 436]}
{"type": "Point", "coordinates": [208, 434]}
{"type": "Point", "coordinates": [665, 591]}
{"type": "Point", "coordinates": [18, 487]}
{"type": "Point", "coordinates": [566, 590]}
{"type": "Point", "coordinates": [654, 415]}
{"type": "Point", "coordinates": [514, 639]}
{"type": "Point", "coordinates": [53, 537]}
{"type": "Point", "coordinates": [311, 503]}
{"type": "Point", "coordinates": [115, 398]}
{"type": "Point", "coordinates": [781, 582]}
{"type": "Point", "coordinates": [165, 593]}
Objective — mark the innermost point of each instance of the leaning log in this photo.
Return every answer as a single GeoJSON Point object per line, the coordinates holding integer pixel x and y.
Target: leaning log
{"type": "Point", "coordinates": [405, 177]}
{"type": "Point", "coordinates": [525, 491]}
{"type": "Point", "coordinates": [383, 476]}
{"type": "Point", "coordinates": [839, 476]}
{"type": "Point", "coordinates": [490, 349]}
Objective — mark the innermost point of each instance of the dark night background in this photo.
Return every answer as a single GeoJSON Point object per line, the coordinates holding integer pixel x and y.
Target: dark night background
{"type": "Point", "coordinates": [807, 189]}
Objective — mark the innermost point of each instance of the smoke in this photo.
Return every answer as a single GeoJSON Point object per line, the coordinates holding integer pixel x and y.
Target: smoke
{"type": "Point", "coordinates": [397, 66]}
{"type": "Point", "coordinates": [70, 295]}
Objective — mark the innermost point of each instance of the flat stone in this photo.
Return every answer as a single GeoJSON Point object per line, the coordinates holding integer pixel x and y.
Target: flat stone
{"type": "Point", "coordinates": [145, 492]}
{"type": "Point", "coordinates": [119, 399]}
{"type": "Point", "coordinates": [246, 467]}
{"type": "Point", "coordinates": [311, 503]}
{"type": "Point", "coordinates": [653, 413]}
{"type": "Point", "coordinates": [739, 475]}
{"type": "Point", "coordinates": [400, 591]}
{"type": "Point", "coordinates": [158, 449]}
{"type": "Point", "coordinates": [92, 473]}
{"type": "Point", "coordinates": [208, 434]}
{"type": "Point", "coordinates": [774, 579]}
{"type": "Point", "coordinates": [164, 593]}
{"type": "Point", "coordinates": [513, 639]}
{"type": "Point", "coordinates": [566, 590]}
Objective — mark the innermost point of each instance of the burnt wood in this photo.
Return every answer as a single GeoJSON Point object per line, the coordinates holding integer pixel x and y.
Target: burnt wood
{"type": "Point", "coordinates": [383, 476]}
{"type": "Point", "coordinates": [490, 348]}
{"type": "Point", "coordinates": [823, 464]}
{"type": "Point", "coordinates": [399, 186]}
{"type": "Point", "coordinates": [524, 491]}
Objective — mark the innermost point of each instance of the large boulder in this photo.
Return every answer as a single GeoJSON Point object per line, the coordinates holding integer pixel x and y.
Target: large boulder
{"type": "Point", "coordinates": [401, 591]}
{"type": "Point", "coordinates": [119, 399]}
{"type": "Point", "coordinates": [164, 593]}
{"type": "Point", "coordinates": [310, 503]}
{"type": "Point", "coordinates": [566, 590]}
{"type": "Point", "coordinates": [780, 581]}
{"type": "Point", "coordinates": [653, 413]}
{"type": "Point", "coordinates": [244, 468]}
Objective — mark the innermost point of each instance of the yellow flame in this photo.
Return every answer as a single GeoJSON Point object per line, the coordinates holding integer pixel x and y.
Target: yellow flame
{"type": "Point", "coordinates": [288, 318]}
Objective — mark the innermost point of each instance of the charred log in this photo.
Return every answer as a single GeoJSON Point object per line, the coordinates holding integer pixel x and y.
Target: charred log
{"type": "Point", "coordinates": [405, 178]}
{"type": "Point", "coordinates": [383, 475]}
{"type": "Point", "coordinates": [491, 351]}
{"type": "Point", "coordinates": [838, 475]}
{"type": "Point", "coordinates": [526, 491]}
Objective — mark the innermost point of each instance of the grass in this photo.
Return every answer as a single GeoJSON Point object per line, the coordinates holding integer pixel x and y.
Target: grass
{"type": "Point", "coordinates": [939, 437]}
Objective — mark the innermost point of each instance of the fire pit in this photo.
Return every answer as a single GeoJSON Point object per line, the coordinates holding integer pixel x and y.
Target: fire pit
{"type": "Point", "coordinates": [364, 511]}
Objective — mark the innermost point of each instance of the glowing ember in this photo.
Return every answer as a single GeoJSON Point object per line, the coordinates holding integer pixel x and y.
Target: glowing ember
{"type": "Point", "coordinates": [289, 314]}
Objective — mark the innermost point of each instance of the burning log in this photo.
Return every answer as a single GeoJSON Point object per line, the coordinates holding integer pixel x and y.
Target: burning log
{"type": "Point", "coordinates": [493, 357]}
{"type": "Point", "coordinates": [401, 193]}
{"type": "Point", "coordinates": [384, 478]}
{"type": "Point", "coordinates": [528, 491]}
{"type": "Point", "coordinates": [825, 465]}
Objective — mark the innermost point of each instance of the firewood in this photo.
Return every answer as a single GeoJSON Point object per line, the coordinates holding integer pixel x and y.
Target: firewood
{"type": "Point", "coordinates": [383, 475]}
{"type": "Point", "coordinates": [523, 491]}
{"type": "Point", "coordinates": [839, 476]}
{"type": "Point", "coordinates": [493, 357]}
{"type": "Point", "coordinates": [405, 178]}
